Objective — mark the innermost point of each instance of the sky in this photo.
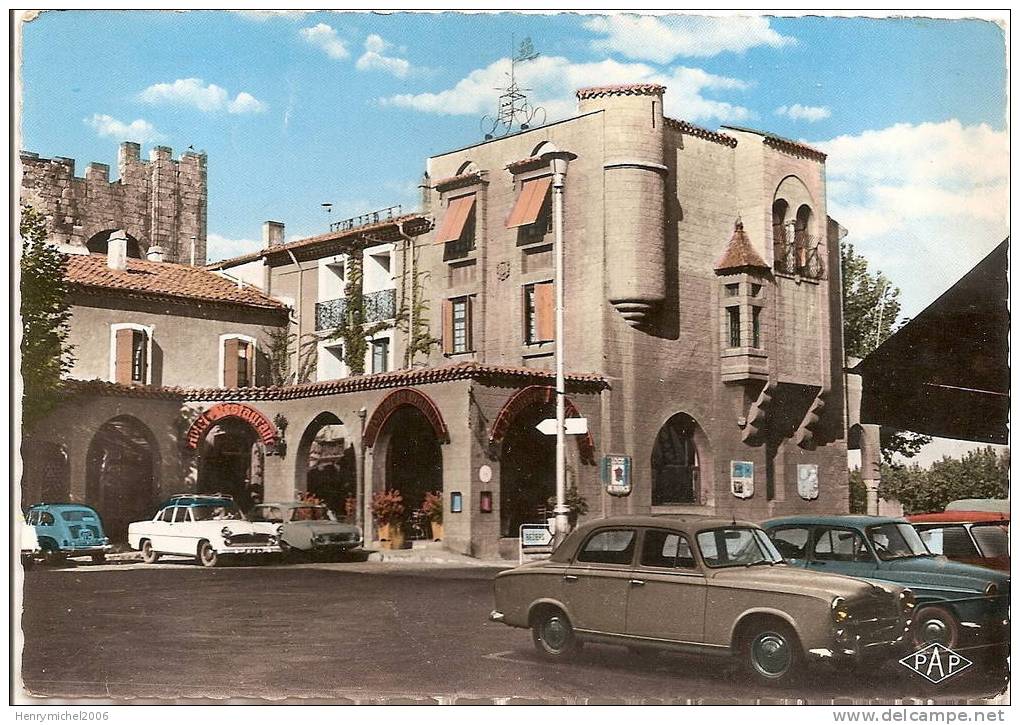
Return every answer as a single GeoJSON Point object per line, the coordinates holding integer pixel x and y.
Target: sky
{"type": "Point", "coordinates": [299, 109]}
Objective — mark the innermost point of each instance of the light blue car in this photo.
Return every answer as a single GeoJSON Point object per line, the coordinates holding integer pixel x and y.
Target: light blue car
{"type": "Point", "coordinates": [68, 529]}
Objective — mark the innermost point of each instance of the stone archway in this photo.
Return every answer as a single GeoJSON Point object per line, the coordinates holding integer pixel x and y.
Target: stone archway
{"type": "Point", "coordinates": [527, 474]}
{"type": "Point", "coordinates": [99, 243]}
{"type": "Point", "coordinates": [325, 464]}
{"type": "Point", "coordinates": [120, 473]}
{"type": "Point", "coordinates": [679, 458]}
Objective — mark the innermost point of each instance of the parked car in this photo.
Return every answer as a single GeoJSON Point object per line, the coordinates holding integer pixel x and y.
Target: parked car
{"type": "Point", "coordinates": [68, 530]}
{"type": "Point", "coordinates": [958, 605]}
{"type": "Point", "coordinates": [206, 527]}
{"type": "Point", "coordinates": [306, 527]}
{"type": "Point", "coordinates": [973, 537]}
{"type": "Point", "coordinates": [698, 584]}
{"type": "Point", "coordinates": [28, 542]}
{"type": "Point", "coordinates": [994, 505]}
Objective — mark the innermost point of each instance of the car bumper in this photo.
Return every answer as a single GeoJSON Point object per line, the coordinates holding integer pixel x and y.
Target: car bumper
{"type": "Point", "coordinates": [337, 545]}
{"type": "Point", "coordinates": [245, 549]}
{"type": "Point", "coordinates": [87, 550]}
{"type": "Point", "coordinates": [865, 643]}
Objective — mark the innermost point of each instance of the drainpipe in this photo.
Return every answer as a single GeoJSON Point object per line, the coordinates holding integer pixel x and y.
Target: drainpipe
{"type": "Point", "coordinates": [409, 355]}
{"type": "Point", "coordinates": [300, 317]}
{"type": "Point", "coordinates": [363, 515]}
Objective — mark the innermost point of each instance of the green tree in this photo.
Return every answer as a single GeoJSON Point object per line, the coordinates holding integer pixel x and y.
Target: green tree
{"type": "Point", "coordinates": [982, 473]}
{"type": "Point", "coordinates": [279, 349]}
{"type": "Point", "coordinates": [45, 319]}
{"type": "Point", "coordinates": [871, 306]}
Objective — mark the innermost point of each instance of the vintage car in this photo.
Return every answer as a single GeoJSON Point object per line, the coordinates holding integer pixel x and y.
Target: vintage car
{"type": "Point", "coordinates": [973, 537]}
{"type": "Point", "coordinates": [699, 584]}
{"type": "Point", "coordinates": [67, 530]}
{"type": "Point", "coordinates": [306, 527]}
{"type": "Point", "coordinates": [206, 527]}
{"type": "Point", "coordinates": [958, 605]}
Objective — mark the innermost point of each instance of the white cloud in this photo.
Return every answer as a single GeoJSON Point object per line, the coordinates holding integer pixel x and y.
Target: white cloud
{"type": "Point", "coordinates": [553, 81]}
{"type": "Point", "coordinates": [139, 130]}
{"type": "Point", "coordinates": [218, 247]}
{"type": "Point", "coordinates": [193, 92]}
{"type": "Point", "coordinates": [324, 37]}
{"type": "Point", "coordinates": [937, 192]}
{"type": "Point", "coordinates": [661, 39]}
{"type": "Point", "coordinates": [374, 58]}
{"type": "Point", "coordinates": [798, 112]}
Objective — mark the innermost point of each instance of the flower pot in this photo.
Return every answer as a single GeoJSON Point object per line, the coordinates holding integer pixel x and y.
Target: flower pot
{"type": "Point", "coordinates": [437, 530]}
{"type": "Point", "coordinates": [391, 536]}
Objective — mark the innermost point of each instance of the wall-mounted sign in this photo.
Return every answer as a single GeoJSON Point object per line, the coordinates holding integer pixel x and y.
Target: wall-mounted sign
{"type": "Point", "coordinates": [536, 542]}
{"type": "Point", "coordinates": [456, 502]}
{"type": "Point", "coordinates": [485, 473]}
{"type": "Point", "coordinates": [742, 478]}
{"type": "Point", "coordinates": [807, 481]}
{"type": "Point", "coordinates": [616, 474]}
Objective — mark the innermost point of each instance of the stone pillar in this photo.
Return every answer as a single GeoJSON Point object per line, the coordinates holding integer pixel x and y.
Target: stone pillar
{"type": "Point", "coordinates": [871, 464]}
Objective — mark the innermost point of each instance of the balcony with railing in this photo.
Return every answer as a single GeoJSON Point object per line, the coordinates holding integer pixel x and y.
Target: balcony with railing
{"type": "Point", "coordinates": [381, 305]}
{"type": "Point", "coordinates": [372, 217]}
{"type": "Point", "coordinates": [797, 254]}
{"type": "Point", "coordinates": [329, 314]}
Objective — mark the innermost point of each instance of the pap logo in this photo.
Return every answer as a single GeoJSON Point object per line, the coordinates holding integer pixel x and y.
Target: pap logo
{"type": "Point", "coordinates": [936, 663]}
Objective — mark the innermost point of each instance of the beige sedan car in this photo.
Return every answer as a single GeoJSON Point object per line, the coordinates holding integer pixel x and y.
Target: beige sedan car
{"type": "Point", "coordinates": [698, 584]}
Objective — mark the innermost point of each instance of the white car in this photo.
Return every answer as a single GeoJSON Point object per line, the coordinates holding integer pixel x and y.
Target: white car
{"type": "Point", "coordinates": [206, 527]}
{"type": "Point", "coordinates": [29, 542]}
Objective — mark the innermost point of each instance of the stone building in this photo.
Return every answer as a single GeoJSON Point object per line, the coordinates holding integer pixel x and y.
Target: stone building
{"type": "Point", "coordinates": [161, 202]}
{"type": "Point", "coordinates": [702, 334]}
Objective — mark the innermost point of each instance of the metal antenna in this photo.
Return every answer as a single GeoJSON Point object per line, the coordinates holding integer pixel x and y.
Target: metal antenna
{"type": "Point", "coordinates": [514, 109]}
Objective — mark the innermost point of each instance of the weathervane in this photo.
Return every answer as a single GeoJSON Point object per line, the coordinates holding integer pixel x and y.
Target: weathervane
{"type": "Point", "coordinates": [513, 104]}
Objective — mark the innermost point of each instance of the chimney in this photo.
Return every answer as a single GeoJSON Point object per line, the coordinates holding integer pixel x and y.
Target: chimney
{"type": "Point", "coordinates": [272, 233]}
{"type": "Point", "coordinates": [155, 254]}
{"type": "Point", "coordinates": [116, 250]}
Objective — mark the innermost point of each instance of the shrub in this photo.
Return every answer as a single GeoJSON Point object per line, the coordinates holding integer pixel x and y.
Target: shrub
{"type": "Point", "coordinates": [387, 507]}
{"type": "Point", "coordinates": [432, 507]}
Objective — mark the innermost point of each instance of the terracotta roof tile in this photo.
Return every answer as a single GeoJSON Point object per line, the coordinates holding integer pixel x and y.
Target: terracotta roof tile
{"type": "Point", "coordinates": [691, 130]}
{"type": "Point", "coordinates": [788, 146]}
{"type": "Point", "coordinates": [626, 89]}
{"type": "Point", "coordinates": [395, 379]}
{"type": "Point", "coordinates": [469, 178]}
{"type": "Point", "coordinates": [163, 280]}
{"type": "Point", "coordinates": [739, 254]}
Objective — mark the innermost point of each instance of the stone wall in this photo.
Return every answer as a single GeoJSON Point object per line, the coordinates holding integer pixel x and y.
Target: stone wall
{"type": "Point", "coordinates": [160, 202]}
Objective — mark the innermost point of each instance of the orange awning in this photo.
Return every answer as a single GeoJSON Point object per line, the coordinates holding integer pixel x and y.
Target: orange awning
{"type": "Point", "coordinates": [529, 202]}
{"type": "Point", "coordinates": [456, 216]}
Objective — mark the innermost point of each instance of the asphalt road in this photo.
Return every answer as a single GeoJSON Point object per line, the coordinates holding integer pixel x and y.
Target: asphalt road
{"type": "Point", "coordinates": [363, 632]}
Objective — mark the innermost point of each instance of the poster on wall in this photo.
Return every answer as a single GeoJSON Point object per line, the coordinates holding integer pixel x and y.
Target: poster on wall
{"type": "Point", "coordinates": [616, 474]}
{"type": "Point", "coordinates": [807, 481]}
{"type": "Point", "coordinates": [742, 478]}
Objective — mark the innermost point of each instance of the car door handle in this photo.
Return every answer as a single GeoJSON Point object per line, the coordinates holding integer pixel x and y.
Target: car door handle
{"type": "Point", "coordinates": [569, 578]}
{"type": "Point", "coordinates": [636, 583]}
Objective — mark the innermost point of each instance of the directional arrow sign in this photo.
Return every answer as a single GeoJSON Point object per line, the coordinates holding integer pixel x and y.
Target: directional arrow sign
{"type": "Point", "coordinates": [571, 426]}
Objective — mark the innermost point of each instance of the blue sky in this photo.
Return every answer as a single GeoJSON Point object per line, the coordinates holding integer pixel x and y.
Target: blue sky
{"type": "Point", "coordinates": [299, 109]}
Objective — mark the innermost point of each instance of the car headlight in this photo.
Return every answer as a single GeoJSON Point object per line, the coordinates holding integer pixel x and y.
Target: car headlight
{"type": "Point", "coordinates": [907, 601]}
{"type": "Point", "coordinates": [992, 590]}
{"type": "Point", "coordinates": [226, 533]}
{"type": "Point", "coordinates": [272, 541]}
{"type": "Point", "coordinates": [318, 538]}
{"type": "Point", "coordinates": [840, 612]}
{"type": "Point", "coordinates": [279, 530]}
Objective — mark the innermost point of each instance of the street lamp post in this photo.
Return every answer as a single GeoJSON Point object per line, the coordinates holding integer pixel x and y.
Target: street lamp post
{"type": "Point", "coordinates": [558, 162]}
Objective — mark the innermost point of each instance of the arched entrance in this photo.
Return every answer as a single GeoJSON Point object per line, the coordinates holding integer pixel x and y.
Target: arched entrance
{"type": "Point", "coordinates": [47, 473]}
{"type": "Point", "coordinates": [326, 465]}
{"type": "Point", "coordinates": [528, 457]}
{"type": "Point", "coordinates": [676, 462]}
{"type": "Point", "coordinates": [406, 433]}
{"type": "Point", "coordinates": [120, 473]}
{"type": "Point", "coordinates": [99, 243]}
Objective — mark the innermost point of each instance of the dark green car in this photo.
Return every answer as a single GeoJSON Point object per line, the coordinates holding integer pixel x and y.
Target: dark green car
{"type": "Point", "coordinates": [959, 605]}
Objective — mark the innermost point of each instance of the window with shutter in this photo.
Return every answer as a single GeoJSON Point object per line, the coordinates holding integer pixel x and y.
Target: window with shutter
{"type": "Point", "coordinates": [455, 220]}
{"type": "Point", "coordinates": [458, 331]}
{"type": "Point", "coordinates": [139, 357]}
{"type": "Point", "coordinates": [539, 313]}
{"type": "Point", "coordinates": [528, 207]}
{"type": "Point", "coordinates": [123, 348]}
{"type": "Point", "coordinates": [231, 347]}
{"type": "Point", "coordinates": [447, 327]}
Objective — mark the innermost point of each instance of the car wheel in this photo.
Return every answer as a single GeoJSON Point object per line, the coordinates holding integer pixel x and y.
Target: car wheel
{"type": "Point", "coordinates": [935, 624]}
{"type": "Point", "coordinates": [27, 561]}
{"type": "Point", "coordinates": [149, 555]}
{"type": "Point", "coordinates": [207, 555]}
{"type": "Point", "coordinates": [99, 558]}
{"type": "Point", "coordinates": [53, 555]}
{"type": "Point", "coordinates": [553, 636]}
{"type": "Point", "coordinates": [772, 653]}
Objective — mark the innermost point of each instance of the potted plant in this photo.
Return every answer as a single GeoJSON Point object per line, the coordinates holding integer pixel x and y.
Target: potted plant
{"type": "Point", "coordinates": [577, 504]}
{"type": "Point", "coordinates": [388, 513]}
{"type": "Point", "coordinates": [432, 507]}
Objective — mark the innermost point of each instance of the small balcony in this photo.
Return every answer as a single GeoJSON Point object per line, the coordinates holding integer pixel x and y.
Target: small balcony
{"type": "Point", "coordinates": [798, 256]}
{"type": "Point", "coordinates": [329, 314]}
{"type": "Point", "coordinates": [381, 305]}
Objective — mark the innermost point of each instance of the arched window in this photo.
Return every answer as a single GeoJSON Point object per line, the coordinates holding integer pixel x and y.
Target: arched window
{"type": "Point", "coordinates": [99, 243]}
{"type": "Point", "coordinates": [675, 471]}
{"type": "Point", "coordinates": [131, 354]}
{"type": "Point", "coordinates": [801, 239]}
{"type": "Point", "coordinates": [237, 361]}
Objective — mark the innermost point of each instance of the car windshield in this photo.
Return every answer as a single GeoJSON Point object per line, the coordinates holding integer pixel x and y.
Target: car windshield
{"type": "Point", "coordinates": [78, 515]}
{"type": "Point", "coordinates": [896, 541]}
{"type": "Point", "coordinates": [737, 546]}
{"type": "Point", "coordinates": [310, 513]}
{"type": "Point", "coordinates": [992, 538]}
{"type": "Point", "coordinates": [223, 511]}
